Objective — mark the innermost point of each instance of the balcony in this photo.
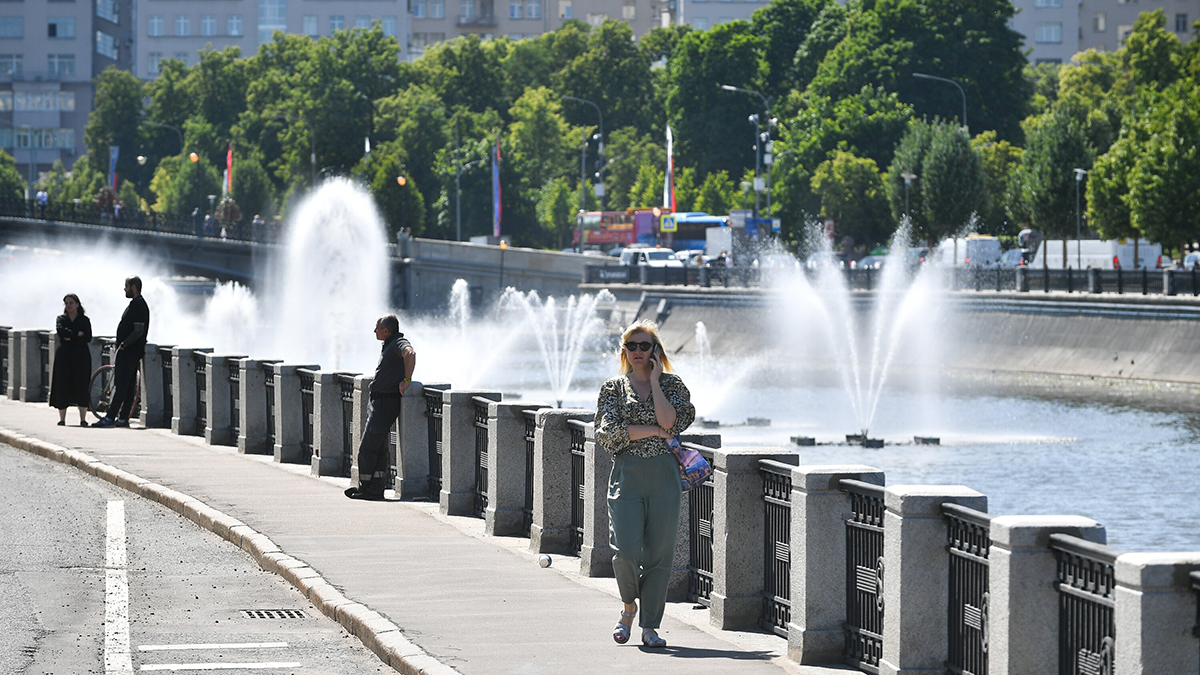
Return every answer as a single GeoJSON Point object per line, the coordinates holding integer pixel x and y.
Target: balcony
{"type": "Point", "coordinates": [477, 21]}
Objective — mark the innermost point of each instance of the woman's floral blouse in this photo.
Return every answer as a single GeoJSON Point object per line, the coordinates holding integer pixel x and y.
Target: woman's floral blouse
{"type": "Point", "coordinates": [619, 407]}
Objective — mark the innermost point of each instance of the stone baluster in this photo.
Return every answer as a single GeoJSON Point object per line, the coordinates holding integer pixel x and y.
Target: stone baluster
{"type": "Point", "coordinates": [13, 390]}
{"type": "Point", "coordinates": [289, 412]}
{"type": "Point", "coordinates": [328, 426]}
{"type": "Point", "coordinates": [154, 412]}
{"type": "Point", "coordinates": [252, 430]}
{"type": "Point", "coordinates": [550, 532]}
{"type": "Point", "coordinates": [183, 390]}
{"type": "Point", "coordinates": [506, 467]}
{"type": "Point", "coordinates": [218, 391]}
{"type": "Point", "coordinates": [457, 497]}
{"type": "Point", "coordinates": [1155, 614]}
{"type": "Point", "coordinates": [31, 366]}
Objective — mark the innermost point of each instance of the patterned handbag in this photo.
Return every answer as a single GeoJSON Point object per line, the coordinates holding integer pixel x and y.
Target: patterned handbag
{"type": "Point", "coordinates": [693, 468]}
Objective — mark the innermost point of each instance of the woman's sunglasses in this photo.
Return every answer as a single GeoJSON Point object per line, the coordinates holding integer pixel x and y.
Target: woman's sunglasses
{"type": "Point", "coordinates": [634, 346]}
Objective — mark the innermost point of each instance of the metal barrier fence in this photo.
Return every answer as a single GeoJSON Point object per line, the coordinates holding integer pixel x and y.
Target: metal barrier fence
{"type": "Point", "coordinates": [700, 530]}
{"type": "Point", "coordinates": [4, 338]}
{"type": "Point", "coordinates": [578, 437]}
{"type": "Point", "coordinates": [149, 221]}
{"type": "Point", "coordinates": [1084, 579]}
{"type": "Point", "coordinates": [481, 454]}
{"type": "Point", "coordinates": [1195, 576]}
{"type": "Point", "coordinates": [530, 436]}
{"type": "Point", "coordinates": [346, 391]}
{"type": "Point", "coordinates": [864, 576]}
{"type": "Point", "coordinates": [168, 378]}
{"type": "Point", "coordinates": [199, 367]}
{"type": "Point", "coordinates": [967, 541]}
{"type": "Point", "coordinates": [235, 398]}
{"type": "Point", "coordinates": [308, 380]}
{"type": "Point", "coordinates": [433, 417]}
{"type": "Point", "coordinates": [44, 361]}
{"type": "Point", "coordinates": [269, 393]}
{"type": "Point", "coordinates": [777, 546]}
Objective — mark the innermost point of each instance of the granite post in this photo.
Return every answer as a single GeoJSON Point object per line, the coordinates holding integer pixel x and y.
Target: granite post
{"type": "Point", "coordinates": [289, 412]}
{"type": "Point", "coordinates": [13, 390]}
{"type": "Point", "coordinates": [218, 423]}
{"type": "Point", "coordinates": [595, 556]}
{"type": "Point", "coordinates": [457, 497]}
{"type": "Point", "coordinates": [551, 529]}
{"type": "Point", "coordinates": [362, 408]}
{"type": "Point", "coordinates": [1155, 614]}
{"type": "Point", "coordinates": [412, 441]}
{"type": "Point", "coordinates": [183, 390]}
{"type": "Point", "coordinates": [31, 366]}
{"type": "Point", "coordinates": [154, 412]}
{"type": "Point", "coordinates": [504, 514]}
{"type": "Point", "coordinates": [677, 586]}
{"type": "Point", "coordinates": [252, 431]}
{"type": "Point", "coordinates": [328, 426]}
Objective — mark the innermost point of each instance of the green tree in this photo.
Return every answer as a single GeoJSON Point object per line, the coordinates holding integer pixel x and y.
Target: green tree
{"type": "Point", "coordinates": [400, 205]}
{"type": "Point", "coordinates": [851, 193]}
{"type": "Point", "coordinates": [1108, 186]}
{"type": "Point", "coordinates": [999, 159]}
{"type": "Point", "coordinates": [1055, 146]}
{"type": "Point", "coordinates": [612, 73]}
{"type": "Point", "coordinates": [541, 139]}
{"type": "Point", "coordinates": [953, 188]}
{"type": "Point", "coordinates": [628, 151]}
{"type": "Point", "coordinates": [784, 25]}
{"type": "Point", "coordinates": [252, 188]}
{"type": "Point", "coordinates": [11, 183]}
{"type": "Point", "coordinates": [556, 209]}
{"type": "Point", "coordinates": [114, 121]}
{"type": "Point", "coordinates": [182, 185]}
{"type": "Point", "coordinates": [1151, 54]}
{"type": "Point", "coordinates": [647, 190]}
{"type": "Point", "coordinates": [686, 189]}
{"type": "Point", "coordinates": [717, 195]}
{"type": "Point", "coordinates": [1164, 186]}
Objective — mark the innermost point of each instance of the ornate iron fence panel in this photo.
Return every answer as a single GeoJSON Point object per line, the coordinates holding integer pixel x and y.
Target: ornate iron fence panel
{"type": "Point", "coordinates": [201, 390]}
{"type": "Point", "coordinates": [577, 479]}
{"type": "Point", "coordinates": [530, 435]}
{"type": "Point", "coordinates": [700, 530]}
{"type": "Point", "coordinates": [269, 389]}
{"type": "Point", "coordinates": [4, 337]}
{"type": "Point", "coordinates": [968, 541]}
{"type": "Point", "coordinates": [346, 390]}
{"type": "Point", "coordinates": [777, 546]}
{"type": "Point", "coordinates": [168, 381]}
{"type": "Point", "coordinates": [307, 380]}
{"type": "Point", "coordinates": [481, 454]}
{"type": "Point", "coordinates": [433, 418]}
{"type": "Point", "coordinates": [44, 360]}
{"type": "Point", "coordinates": [235, 397]}
{"type": "Point", "coordinates": [1084, 579]}
{"type": "Point", "coordinates": [864, 576]}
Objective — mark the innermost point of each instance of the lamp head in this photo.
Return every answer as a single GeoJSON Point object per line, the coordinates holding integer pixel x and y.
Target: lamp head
{"type": "Point", "coordinates": [727, 87]}
{"type": "Point", "coordinates": [753, 119]}
{"type": "Point", "coordinates": [194, 157]}
{"type": "Point", "coordinates": [141, 160]}
{"type": "Point", "coordinates": [656, 211]}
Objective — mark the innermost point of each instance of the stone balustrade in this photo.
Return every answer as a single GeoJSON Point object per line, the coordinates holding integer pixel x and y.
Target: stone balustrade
{"type": "Point", "coordinates": [891, 579]}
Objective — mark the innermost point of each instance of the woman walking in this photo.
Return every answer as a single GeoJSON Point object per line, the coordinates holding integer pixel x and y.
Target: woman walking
{"type": "Point", "coordinates": [72, 361]}
{"type": "Point", "coordinates": [638, 411]}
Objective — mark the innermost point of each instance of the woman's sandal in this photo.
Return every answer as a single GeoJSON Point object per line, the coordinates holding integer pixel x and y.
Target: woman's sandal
{"type": "Point", "coordinates": [651, 639]}
{"type": "Point", "coordinates": [621, 632]}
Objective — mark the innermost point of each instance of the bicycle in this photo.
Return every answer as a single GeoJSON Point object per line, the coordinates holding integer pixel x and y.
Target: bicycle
{"type": "Point", "coordinates": [100, 391]}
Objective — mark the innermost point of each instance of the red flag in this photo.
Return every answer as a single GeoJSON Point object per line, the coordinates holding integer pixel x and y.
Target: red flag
{"type": "Point", "coordinates": [229, 168]}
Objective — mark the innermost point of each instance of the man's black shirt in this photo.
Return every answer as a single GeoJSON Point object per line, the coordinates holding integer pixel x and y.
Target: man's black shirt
{"type": "Point", "coordinates": [390, 370]}
{"type": "Point", "coordinates": [137, 312]}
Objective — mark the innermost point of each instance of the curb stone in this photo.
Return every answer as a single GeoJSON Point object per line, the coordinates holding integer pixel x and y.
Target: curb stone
{"type": "Point", "coordinates": [377, 633]}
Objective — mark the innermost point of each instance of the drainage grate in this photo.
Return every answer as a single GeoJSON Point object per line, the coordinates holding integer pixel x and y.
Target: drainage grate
{"type": "Point", "coordinates": [274, 614]}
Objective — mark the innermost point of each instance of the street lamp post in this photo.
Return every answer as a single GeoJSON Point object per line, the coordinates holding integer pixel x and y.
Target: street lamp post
{"type": "Point", "coordinates": [756, 120]}
{"type": "Point", "coordinates": [923, 76]}
{"type": "Point", "coordinates": [583, 166]}
{"type": "Point", "coordinates": [582, 184]}
{"type": "Point", "coordinates": [908, 177]}
{"type": "Point", "coordinates": [1079, 174]}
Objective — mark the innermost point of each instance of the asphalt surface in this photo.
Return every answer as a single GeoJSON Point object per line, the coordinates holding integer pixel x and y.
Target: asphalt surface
{"type": "Point", "coordinates": [187, 586]}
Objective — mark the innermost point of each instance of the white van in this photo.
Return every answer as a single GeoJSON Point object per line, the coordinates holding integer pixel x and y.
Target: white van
{"type": "Point", "coordinates": [651, 257]}
{"type": "Point", "coordinates": [977, 250]}
{"type": "Point", "coordinates": [1103, 254]}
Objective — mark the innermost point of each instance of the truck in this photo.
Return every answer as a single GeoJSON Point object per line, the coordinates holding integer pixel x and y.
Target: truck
{"type": "Point", "coordinates": [1103, 254]}
{"type": "Point", "coordinates": [976, 250]}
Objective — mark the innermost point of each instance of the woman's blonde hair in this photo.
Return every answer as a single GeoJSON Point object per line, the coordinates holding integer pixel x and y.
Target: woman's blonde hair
{"type": "Point", "coordinates": [649, 328]}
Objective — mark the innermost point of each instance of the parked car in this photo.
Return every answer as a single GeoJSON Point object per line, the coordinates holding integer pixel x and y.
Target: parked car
{"type": "Point", "coordinates": [688, 257]}
{"type": "Point", "coordinates": [914, 257]}
{"type": "Point", "coordinates": [775, 261]}
{"type": "Point", "coordinates": [823, 259]}
{"type": "Point", "coordinates": [1014, 257]}
{"type": "Point", "coordinates": [871, 262]}
{"type": "Point", "coordinates": [651, 257]}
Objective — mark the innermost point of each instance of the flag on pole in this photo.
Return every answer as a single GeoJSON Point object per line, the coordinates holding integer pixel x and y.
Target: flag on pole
{"type": "Point", "coordinates": [114, 152]}
{"type": "Point", "coordinates": [224, 183]}
{"type": "Point", "coordinates": [669, 179]}
{"type": "Point", "coordinates": [496, 189]}
{"type": "Point", "coordinates": [367, 147]}
{"type": "Point", "coordinates": [228, 186]}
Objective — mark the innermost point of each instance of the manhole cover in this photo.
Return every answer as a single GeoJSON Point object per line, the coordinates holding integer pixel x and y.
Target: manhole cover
{"type": "Point", "coordinates": [274, 614]}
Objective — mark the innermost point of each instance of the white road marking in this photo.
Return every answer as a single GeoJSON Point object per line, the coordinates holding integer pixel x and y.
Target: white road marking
{"type": "Point", "coordinates": [221, 666]}
{"type": "Point", "coordinates": [214, 645]}
{"type": "Point", "coordinates": [117, 660]}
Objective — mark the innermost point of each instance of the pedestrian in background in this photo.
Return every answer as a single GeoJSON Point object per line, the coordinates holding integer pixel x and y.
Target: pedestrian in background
{"type": "Point", "coordinates": [637, 413]}
{"type": "Point", "coordinates": [42, 199]}
{"type": "Point", "coordinates": [72, 361]}
{"type": "Point", "coordinates": [197, 222]}
{"type": "Point", "coordinates": [393, 374]}
{"type": "Point", "coordinates": [131, 347]}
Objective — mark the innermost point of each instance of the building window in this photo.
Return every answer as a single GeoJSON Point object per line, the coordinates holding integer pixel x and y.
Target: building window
{"type": "Point", "coordinates": [233, 25]}
{"type": "Point", "coordinates": [700, 23]}
{"type": "Point", "coordinates": [155, 26]}
{"type": "Point", "coordinates": [25, 139]}
{"type": "Point", "coordinates": [208, 25]}
{"type": "Point", "coordinates": [533, 9]}
{"type": "Point", "coordinates": [1039, 62]}
{"type": "Point", "coordinates": [435, 38]}
{"type": "Point", "coordinates": [516, 37]}
{"type": "Point", "coordinates": [152, 61]}
{"type": "Point", "coordinates": [6, 101]}
{"type": "Point", "coordinates": [107, 10]}
{"type": "Point", "coordinates": [389, 26]}
{"type": "Point", "coordinates": [106, 45]}
{"type": "Point", "coordinates": [362, 22]}
{"type": "Point", "coordinates": [564, 9]}
{"type": "Point", "coordinates": [1047, 3]}
{"type": "Point", "coordinates": [516, 9]}
{"type": "Point", "coordinates": [336, 22]}
{"type": "Point", "coordinates": [183, 25]}
{"type": "Point", "coordinates": [418, 41]}
{"type": "Point", "coordinates": [37, 101]}
{"type": "Point", "coordinates": [310, 25]}
{"type": "Point", "coordinates": [62, 65]}
{"type": "Point", "coordinates": [1181, 23]}
{"type": "Point", "coordinates": [596, 19]}
{"type": "Point", "coordinates": [629, 11]}
{"type": "Point", "coordinates": [1100, 22]}
{"type": "Point", "coordinates": [272, 16]}
{"type": "Point", "coordinates": [466, 9]}
{"type": "Point", "coordinates": [1049, 32]}
{"type": "Point", "coordinates": [437, 9]}
{"type": "Point", "coordinates": [61, 27]}
{"type": "Point", "coordinates": [1123, 33]}
{"type": "Point", "coordinates": [181, 57]}
{"type": "Point", "coordinates": [11, 64]}
{"type": "Point", "coordinates": [12, 26]}
{"type": "Point", "coordinates": [418, 9]}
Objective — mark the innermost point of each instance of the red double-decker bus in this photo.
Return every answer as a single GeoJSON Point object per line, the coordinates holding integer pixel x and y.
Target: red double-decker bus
{"type": "Point", "coordinates": [606, 229]}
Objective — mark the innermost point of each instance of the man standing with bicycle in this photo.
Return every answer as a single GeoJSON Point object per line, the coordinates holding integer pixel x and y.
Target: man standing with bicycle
{"type": "Point", "coordinates": [131, 347]}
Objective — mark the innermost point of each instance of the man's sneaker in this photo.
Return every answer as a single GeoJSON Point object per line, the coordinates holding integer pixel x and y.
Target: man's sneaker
{"type": "Point", "coordinates": [103, 423]}
{"type": "Point", "coordinates": [121, 423]}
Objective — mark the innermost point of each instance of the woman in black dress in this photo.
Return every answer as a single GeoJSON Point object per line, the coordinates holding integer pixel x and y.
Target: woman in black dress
{"type": "Point", "coordinates": [72, 361]}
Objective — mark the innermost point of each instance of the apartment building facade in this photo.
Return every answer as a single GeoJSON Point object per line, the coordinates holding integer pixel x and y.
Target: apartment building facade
{"type": "Point", "coordinates": [1056, 30]}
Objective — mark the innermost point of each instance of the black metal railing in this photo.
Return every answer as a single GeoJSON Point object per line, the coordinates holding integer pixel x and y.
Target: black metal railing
{"type": "Point", "coordinates": [1085, 580]}
{"type": "Point", "coordinates": [268, 370]}
{"type": "Point", "coordinates": [200, 369]}
{"type": "Point", "coordinates": [1195, 577]}
{"type": "Point", "coordinates": [777, 545]}
{"type": "Point", "coordinates": [308, 380]}
{"type": "Point", "coordinates": [44, 361]}
{"type": "Point", "coordinates": [346, 390]}
{"type": "Point", "coordinates": [5, 331]}
{"type": "Point", "coordinates": [481, 454]}
{"type": "Point", "coordinates": [577, 481]}
{"type": "Point", "coordinates": [108, 351]}
{"type": "Point", "coordinates": [864, 576]}
{"type": "Point", "coordinates": [700, 537]}
{"type": "Point", "coordinates": [168, 381]}
{"type": "Point", "coordinates": [86, 213]}
{"type": "Point", "coordinates": [530, 435]}
{"type": "Point", "coordinates": [235, 398]}
{"type": "Point", "coordinates": [433, 418]}
{"type": "Point", "coordinates": [967, 541]}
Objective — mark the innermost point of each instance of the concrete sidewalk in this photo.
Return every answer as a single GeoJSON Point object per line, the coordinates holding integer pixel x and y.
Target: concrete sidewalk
{"type": "Point", "coordinates": [478, 604]}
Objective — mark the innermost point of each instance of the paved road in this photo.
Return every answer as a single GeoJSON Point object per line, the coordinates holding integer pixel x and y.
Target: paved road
{"type": "Point", "coordinates": [186, 586]}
